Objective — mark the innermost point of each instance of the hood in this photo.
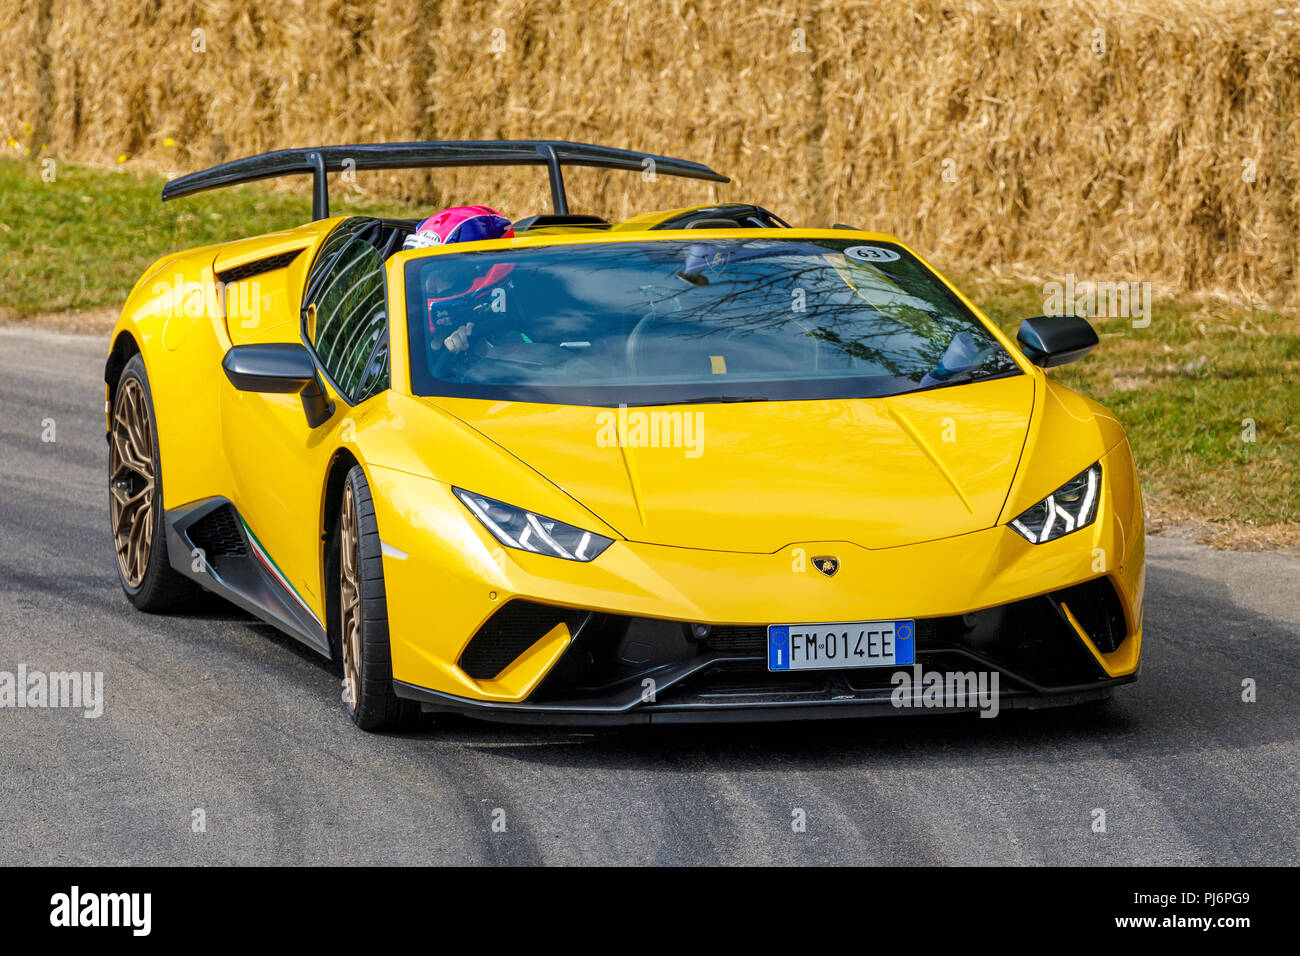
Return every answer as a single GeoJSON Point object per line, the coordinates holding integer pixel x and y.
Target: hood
{"type": "Point", "coordinates": [755, 477]}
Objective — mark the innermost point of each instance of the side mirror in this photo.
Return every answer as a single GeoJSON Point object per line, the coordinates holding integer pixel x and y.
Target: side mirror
{"type": "Point", "coordinates": [1051, 340]}
{"type": "Point", "coordinates": [281, 368]}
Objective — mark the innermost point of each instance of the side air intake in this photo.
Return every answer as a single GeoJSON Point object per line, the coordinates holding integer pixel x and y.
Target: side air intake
{"type": "Point", "coordinates": [511, 631]}
{"type": "Point", "coordinates": [257, 267]}
{"type": "Point", "coordinates": [218, 534]}
{"type": "Point", "coordinates": [1096, 607]}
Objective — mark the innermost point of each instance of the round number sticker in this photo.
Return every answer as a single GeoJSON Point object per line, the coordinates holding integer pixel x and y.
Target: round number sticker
{"type": "Point", "coordinates": [872, 253]}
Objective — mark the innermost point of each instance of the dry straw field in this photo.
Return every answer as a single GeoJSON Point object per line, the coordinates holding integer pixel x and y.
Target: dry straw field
{"type": "Point", "coordinates": [1148, 140]}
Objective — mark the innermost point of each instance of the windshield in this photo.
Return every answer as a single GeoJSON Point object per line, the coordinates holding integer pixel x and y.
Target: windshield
{"type": "Point", "coordinates": [674, 321]}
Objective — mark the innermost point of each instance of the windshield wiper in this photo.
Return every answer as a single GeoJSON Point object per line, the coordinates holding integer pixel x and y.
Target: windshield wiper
{"type": "Point", "coordinates": [707, 400]}
{"type": "Point", "coordinates": [964, 377]}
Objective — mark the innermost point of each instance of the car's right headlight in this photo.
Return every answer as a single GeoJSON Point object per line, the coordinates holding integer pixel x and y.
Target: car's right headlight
{"type": "Point", "coordinates": [1069, 508]}
{"type": "Point", "coordinates": [516, 528]}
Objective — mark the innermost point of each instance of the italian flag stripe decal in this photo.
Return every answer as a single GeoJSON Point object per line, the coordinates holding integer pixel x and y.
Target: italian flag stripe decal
{"type": "Point", "coordinates": [276, 573]}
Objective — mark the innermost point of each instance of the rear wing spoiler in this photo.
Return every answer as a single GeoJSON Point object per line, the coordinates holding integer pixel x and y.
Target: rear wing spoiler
{"type": "Point", "coordinates": [319, 161]}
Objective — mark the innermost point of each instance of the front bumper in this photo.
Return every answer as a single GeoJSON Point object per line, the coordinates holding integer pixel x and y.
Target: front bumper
{"type": "Point", "coordinates": [616, 669]}
{"type": "Point", "coordinates": [986, 603]}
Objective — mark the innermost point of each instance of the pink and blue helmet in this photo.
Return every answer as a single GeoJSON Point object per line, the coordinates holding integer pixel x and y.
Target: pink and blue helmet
{"type": "Point", "coordinates": [462, 224]}
{"type": "Point", "coordinates": [459, 224]}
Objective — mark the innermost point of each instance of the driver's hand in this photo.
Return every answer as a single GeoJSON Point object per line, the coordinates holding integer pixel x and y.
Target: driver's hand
{"type": "Point", "coordinates": [458, 341]}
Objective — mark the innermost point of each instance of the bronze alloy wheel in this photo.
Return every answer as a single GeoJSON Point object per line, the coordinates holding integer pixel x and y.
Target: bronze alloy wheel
{"type": "Point", "coordinates": [350, 597]}
{"type": "Point", "coordinates": [131, 482]}
{"type": "Point", "coordinates": [361, 628]}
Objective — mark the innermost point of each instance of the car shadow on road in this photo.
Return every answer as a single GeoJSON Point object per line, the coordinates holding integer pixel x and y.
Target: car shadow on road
{"type": "Point", "coordinates": [211, 609]}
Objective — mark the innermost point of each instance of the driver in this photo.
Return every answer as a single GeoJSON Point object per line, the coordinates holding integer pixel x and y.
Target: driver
{"type": "Point", "coordinates": [452, 312]}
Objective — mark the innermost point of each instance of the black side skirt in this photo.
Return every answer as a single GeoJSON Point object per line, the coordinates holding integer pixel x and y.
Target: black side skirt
{"type": "Point", "coordinates": [235, 572]}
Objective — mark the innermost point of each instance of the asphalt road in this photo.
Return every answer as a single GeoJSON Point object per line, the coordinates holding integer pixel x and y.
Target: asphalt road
{"type": "Point", "coordinates": [214, 710]}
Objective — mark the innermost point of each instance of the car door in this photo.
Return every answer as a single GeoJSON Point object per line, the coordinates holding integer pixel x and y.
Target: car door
{"type": "Point", "coordinates": [277, 459]}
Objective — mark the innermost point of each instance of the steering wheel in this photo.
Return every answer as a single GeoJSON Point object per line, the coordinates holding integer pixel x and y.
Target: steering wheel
{"type": "Point", "coordinates": [451, 366]}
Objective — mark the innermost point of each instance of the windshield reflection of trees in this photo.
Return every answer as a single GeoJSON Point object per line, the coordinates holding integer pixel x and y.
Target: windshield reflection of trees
{"type": "Point", "coordinates": [759, 298]}
{"type": "Point", "coordinates": [878, 318]}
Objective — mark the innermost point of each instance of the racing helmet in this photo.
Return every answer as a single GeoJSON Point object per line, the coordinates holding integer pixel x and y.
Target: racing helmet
{"type": "Point", "coordinates": [461, 224]}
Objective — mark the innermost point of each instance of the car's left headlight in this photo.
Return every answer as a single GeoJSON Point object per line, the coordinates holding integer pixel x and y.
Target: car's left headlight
{"type": "Point", "coordinates": [517, 528]}
{"type": "Point", "coordinates": [1069, 508]}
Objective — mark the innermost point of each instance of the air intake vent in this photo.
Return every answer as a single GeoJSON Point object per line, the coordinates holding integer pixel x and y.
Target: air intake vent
{"type": "Point", "coordinates": [511, 631]}
{"type": "Point", "coordinates": [549, 219]}
{"type": "Point", "coordinates": [738, 641]}
{"type": "Point", "coordinates": [218, 534]}
{"type": "Point", "coordinates": [1096, 607]}
{"type": "Point", "coordinates": [258, 266]}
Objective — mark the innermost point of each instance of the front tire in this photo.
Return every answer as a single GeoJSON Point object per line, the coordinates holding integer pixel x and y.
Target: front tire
{"type": "Point", "coordinates": [135, 499]}
{"type": "Point", "coordinates": [363, 615]}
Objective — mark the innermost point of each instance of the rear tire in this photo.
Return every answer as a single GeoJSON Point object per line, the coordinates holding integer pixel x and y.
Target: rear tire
{"type": "Point", "coordinates": [135, 499]}
{"type": "Point", "coordinates": [363, 616]}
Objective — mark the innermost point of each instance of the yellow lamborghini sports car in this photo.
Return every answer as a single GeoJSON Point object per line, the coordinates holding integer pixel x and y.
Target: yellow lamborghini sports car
{"type": "Point", "coordinates": [698, 465]}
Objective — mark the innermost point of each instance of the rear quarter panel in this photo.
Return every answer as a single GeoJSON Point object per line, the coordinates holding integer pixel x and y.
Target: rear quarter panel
{"type": "Point", "coordinates": [177, 317]}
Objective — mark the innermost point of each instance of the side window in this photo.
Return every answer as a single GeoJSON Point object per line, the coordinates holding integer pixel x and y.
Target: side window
{"type": "Point", "coordinates": [348, 326]}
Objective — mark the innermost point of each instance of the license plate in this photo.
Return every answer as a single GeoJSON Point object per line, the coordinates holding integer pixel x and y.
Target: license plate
{"type": "Point", "coordinates": [805, 647]}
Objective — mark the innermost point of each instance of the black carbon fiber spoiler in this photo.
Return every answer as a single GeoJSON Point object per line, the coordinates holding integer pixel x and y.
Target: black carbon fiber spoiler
{"type": "Point", "coordinates": [519, 152]}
